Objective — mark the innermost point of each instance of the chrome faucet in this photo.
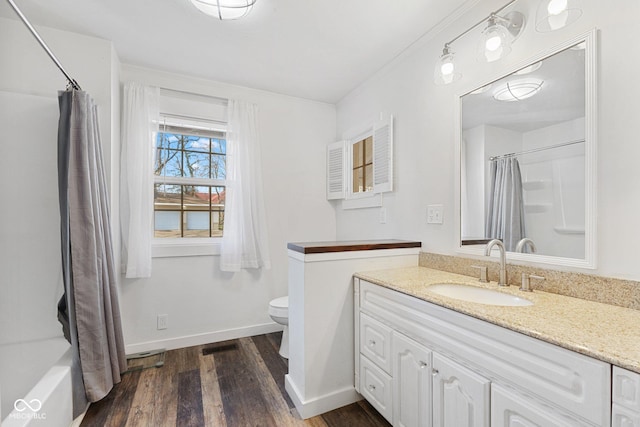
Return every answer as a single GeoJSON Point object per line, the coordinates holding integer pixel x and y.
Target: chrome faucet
{"type": "Point", "coordinates": [523, 242]}
{"type": "Point", "coordinates": [502, 281]}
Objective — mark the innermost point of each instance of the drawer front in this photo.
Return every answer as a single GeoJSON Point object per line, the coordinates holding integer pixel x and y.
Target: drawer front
{"type": "Point", "coordinates": [375, 342]}
{"type": "Point", "coordinates": [375, 386]}
{"type": "Point", "coordinates": [623, 417]}
{"type": "Point", "coordinates": [561, 378]}
{"type": "Point", "coordinates": [626, 388]}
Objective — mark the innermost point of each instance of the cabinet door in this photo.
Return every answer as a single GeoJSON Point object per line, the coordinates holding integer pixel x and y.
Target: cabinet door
{"type": "Point", "coordinates": [460, 396]}
{"type": "Point", "coordinates": [508, 409]}
{"type": "Point", "coordinates": [623, 417]}
{"type": "Point", "coordinates": [411, 382]}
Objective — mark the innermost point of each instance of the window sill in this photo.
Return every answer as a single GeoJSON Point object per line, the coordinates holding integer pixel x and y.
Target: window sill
{"type": "Point", "coordinates": [369, 201]}
{"type": "Point", "coordinates": [167, 248]}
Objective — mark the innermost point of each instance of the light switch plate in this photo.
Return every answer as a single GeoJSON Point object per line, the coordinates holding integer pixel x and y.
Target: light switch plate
{"type": "Point", "coordinates": [434, 214]}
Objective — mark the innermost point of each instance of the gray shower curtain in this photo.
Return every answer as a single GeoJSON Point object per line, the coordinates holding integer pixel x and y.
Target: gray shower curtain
{"type": "Point", "coordinates": [505, 218]}
{"type": "Point", "coordinates": [89, 308]}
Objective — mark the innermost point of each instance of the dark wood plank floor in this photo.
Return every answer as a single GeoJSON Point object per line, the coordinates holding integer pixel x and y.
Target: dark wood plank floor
{"type": "Point", "coordinates": [234, 383]}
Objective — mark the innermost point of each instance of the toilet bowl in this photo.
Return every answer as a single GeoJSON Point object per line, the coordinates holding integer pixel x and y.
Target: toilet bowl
{"type": "Point", "coordinates": [279, 312]}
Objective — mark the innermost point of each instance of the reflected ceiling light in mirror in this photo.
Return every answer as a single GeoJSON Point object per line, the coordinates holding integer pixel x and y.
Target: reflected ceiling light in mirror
{"type": "Point", "coordinates": [555, 14]}
{"type": "Point", "coordinates": [501, 32]}
{"type": "Point", "coordinates": [224, 9]}
{"type": "Point", "coordinates": [518, 90]}
{"type": "Point", "coordinates": [530, 69]}
{"type": "Point", "coordinates": [445, 71]}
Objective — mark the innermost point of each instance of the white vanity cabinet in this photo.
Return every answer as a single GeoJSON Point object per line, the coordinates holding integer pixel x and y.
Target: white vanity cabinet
{"type": "Point", "coordinates": [450, 369]}
{"type": "Point", "coordinates": [626, 398]}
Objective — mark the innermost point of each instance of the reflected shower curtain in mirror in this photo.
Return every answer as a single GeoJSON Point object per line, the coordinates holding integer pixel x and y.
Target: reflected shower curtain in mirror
{"type": "Point", "coordinates": [505, 217]}
{"type": "Point", "coordinates": [89, 308]}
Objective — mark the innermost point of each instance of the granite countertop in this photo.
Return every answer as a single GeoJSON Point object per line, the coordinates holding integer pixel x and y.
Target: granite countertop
{"type": "Point", "coordinates": [605, 332]}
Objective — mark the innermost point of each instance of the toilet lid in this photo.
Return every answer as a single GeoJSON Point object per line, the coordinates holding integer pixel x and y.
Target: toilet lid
{"type": "Point", "coordinates": [282, 302]}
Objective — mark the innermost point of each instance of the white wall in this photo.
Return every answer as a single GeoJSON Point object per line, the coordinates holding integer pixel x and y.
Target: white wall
{"type": "Point", "coordinates": [204, 304]}
{"type": "Point", "coordinates": [425, 133]}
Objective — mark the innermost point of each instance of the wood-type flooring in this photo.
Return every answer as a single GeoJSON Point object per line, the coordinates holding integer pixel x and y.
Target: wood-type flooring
{"type": "Point", "coordinates": [237, 383]}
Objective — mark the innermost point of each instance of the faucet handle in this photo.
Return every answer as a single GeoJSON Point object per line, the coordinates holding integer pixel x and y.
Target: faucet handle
{"type": "Point", "coordinates": [525, 285]}
{"type": "Point", "coordinates": [483, 273]}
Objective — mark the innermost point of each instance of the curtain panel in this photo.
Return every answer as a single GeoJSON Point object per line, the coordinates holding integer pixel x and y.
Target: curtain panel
{"type": "Point", "coordinates": [140, 116]}
{"type": "Point", "coordinates": [244, 241]}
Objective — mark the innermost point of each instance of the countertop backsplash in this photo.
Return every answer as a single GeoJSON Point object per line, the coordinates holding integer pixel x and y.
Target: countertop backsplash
{"type": "Point", "coordinates": [623, 293]}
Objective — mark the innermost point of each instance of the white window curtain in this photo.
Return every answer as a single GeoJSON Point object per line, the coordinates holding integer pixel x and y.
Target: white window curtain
{"type": "Point", "coordinates": [244, 241]}
{"type": "Point", "coordinates": [140, 115]}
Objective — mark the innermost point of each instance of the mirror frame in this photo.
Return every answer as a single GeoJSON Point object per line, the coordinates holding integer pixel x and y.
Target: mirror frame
{"type": "Point", "coordinates": [591, 110]}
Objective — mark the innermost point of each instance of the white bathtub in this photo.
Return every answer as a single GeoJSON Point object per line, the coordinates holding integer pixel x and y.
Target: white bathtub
{"type": "Point", "coordinates": [36, 384]}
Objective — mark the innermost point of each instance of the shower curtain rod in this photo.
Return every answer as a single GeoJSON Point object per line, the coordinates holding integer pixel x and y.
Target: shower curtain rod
{"type": "Point", "coordinates": [536, 149]}
{"type": "Point", "coordinates": [74, 84]}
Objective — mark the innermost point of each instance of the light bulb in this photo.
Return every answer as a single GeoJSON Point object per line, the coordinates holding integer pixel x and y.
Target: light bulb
{"type": "Point", "coordinates": [447, 68]}
{"type": "Point", "coordinates": [493, 43]}
{"type": "Point", "coordinates": [556, 7]}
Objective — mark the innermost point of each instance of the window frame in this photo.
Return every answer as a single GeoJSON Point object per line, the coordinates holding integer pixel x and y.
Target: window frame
{"type": "Point", "coordinates": [186, 246]}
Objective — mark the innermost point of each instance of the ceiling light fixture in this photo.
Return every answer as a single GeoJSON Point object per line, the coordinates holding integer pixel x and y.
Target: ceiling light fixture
{"type": "Point", "coordinates": [518, 90]}
{"type": "Point", "coordinates": [225, 9]}
{"type": "Point", "coordinates": [495, 43]}
{"type": "Point", "coordinates": [555, 14]}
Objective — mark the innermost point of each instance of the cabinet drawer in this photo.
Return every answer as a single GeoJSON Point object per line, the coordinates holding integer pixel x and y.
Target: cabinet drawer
{"type": "Point", "coordinates": [375, 342]}
{"type": "Point", "coordinates": [557, 376]}
{"type": "Point", "coordinates": [375, 386]}
{"type": "Point", "coordinates": [626, 388]}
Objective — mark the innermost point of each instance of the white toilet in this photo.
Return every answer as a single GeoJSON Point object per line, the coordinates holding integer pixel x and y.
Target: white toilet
{"type": "Point", "coordinates": [279, 312]}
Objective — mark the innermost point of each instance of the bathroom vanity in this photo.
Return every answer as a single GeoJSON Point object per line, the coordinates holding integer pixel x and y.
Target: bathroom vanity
{"type": "Point", "coordinates": [424, 359]}
{"type": "Point", "coordinates": [321, 353]}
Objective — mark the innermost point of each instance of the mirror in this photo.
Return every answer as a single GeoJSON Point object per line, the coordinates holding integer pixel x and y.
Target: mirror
{"type": "Point", "coordinates": [526, 145]}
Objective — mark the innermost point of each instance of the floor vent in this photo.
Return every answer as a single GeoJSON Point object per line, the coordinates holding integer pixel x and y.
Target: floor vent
{"type": "Point", "coordinates": [219, 348]}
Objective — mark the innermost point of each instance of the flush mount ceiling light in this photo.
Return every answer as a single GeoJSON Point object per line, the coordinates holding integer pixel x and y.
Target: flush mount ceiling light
{"type": "Point", "coordinates": [518, 90]}
{"type": "Point", "coordinates": [446, 71]}
{"type": "Point", "coordinates": [495, 43]}
{"type": "Point", "coordinates": [555, 14]}
{"type": "Point", "coordinates": [496, 39]}
{"type": "Point", "coordinates": [224, 9]}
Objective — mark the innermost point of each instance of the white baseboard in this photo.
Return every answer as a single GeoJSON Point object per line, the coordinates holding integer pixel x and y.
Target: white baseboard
{"type": "Point", "coordinates": [321, 404]}
{"type": "Point", "coordinates": [200, 339]}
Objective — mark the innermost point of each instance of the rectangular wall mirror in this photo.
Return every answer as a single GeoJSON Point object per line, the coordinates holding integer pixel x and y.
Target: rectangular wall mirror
{"type": "Point", "coordinates": [527, 159]}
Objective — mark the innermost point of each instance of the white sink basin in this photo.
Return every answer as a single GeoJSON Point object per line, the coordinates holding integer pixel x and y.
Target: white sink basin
{"type": "Point", "coordinates": [477, 294]}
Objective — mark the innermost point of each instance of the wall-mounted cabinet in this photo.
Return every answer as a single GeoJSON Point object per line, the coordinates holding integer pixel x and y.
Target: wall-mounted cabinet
{"type": "Point", "coordinates": [449, 369]}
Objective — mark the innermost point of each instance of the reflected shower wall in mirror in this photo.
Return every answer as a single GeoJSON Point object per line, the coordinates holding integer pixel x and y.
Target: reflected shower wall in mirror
{"type": "Point", "coordinates": [522, 158]}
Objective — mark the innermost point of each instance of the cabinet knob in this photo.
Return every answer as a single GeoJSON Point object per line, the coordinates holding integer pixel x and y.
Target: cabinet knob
{"type": "Point", "coordinates": [372, 387]}
{"type": "Point", "coordinates": [372, 343]}
{"type": "Point", "coordinates": [423, 364]}
{"type": "Point", "coordinates": [434, 372]}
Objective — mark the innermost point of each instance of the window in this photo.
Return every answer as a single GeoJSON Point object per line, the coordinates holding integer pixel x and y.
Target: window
{"type": "Point", "coordinates": [360, 167]}
{"type": "Point", "coordinates": [189, 183]}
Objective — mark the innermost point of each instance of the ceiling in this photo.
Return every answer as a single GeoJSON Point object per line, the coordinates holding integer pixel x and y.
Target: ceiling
{"type": "Point", "coordinates": [313, 49]}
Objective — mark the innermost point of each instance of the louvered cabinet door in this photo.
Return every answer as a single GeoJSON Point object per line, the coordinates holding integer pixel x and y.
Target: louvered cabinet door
{"type": "Point", "coordinates": [383, 155]}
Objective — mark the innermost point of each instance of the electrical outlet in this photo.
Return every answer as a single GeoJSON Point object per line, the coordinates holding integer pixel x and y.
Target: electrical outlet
{"type": "Point", "coordinates": [383, 215]}
{"type": "Point", "coordinates": [163, 321]}
{"type": "Point", "coordinates": [434, 214]}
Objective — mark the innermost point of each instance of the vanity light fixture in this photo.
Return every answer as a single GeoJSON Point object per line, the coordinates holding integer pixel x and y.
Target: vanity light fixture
{"type": "Point", "coordinates": [496, 39]}
{"type": "Point", "coordinates": [495, 43]}
{"type": "Point", "coordinates": [518, 90]}
{"type": "Point", "coordinates": [224, 9]}
{"type": "Point", "coordinates": [555, 14]}
{"type": "Point", "coordinates": [446, 71]}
